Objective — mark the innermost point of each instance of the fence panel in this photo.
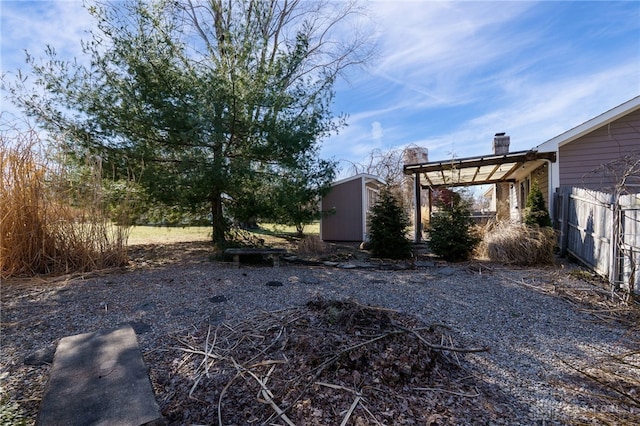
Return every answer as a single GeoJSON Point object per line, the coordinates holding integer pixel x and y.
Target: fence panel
{"type": "Point", "coordinates": [604, 236]}
{"type": "Point", "coordinates": [590, 221]}
{"type": "Point", "coordinates": [630, 245]}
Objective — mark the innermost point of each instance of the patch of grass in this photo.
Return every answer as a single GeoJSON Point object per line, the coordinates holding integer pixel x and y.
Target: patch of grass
{"type": "Point", "coordinates": [588, 276]}
{"type": "Point", "coordinates": [272, 234]}
{"type": "Point", "coordinates": [166, 235]}
{"type": "Point", "coordinates": [280, 236]}
{"type": "Point", "coordinates": [311, 229]}
{"type": "Point", "coordinates": [581, 274]}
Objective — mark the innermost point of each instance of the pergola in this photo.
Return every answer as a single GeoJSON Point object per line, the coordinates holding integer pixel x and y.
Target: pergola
{"type": "Point", "coordinates": [490, 169]}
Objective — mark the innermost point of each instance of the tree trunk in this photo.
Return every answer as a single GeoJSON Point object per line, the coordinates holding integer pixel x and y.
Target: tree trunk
{"type": "Point", "coordinates": [217, 220]}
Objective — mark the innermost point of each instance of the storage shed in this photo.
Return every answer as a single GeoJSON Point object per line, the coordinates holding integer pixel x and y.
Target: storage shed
{"type": "Point", "coordinates": [349, 201]}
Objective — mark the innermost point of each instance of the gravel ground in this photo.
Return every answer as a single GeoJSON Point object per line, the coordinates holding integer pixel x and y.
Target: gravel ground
{"type": "Point", "coordinates": [539, 323]}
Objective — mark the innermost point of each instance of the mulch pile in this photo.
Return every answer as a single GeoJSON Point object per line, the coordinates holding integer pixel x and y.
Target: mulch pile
{"type": "Point", "coordinates": [329, 362]}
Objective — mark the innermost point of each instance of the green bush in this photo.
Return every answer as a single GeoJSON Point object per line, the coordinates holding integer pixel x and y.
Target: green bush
{"type": "Point", "coordinates": [451, 233]}
{"type": "Point", "coordinates": [387, 229]}
{"type": "Point", "coordinates": [11, 413]}
{"type": "Point", "coordinates": [535, 212]}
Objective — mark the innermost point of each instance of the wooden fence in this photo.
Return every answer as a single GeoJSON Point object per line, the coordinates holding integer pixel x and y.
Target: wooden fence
{"type": "Point", "coordinates": [602, 232]}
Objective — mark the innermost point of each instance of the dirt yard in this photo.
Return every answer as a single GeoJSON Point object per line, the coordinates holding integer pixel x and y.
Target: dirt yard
{"type": "Point", "coordinates": [341, 339]}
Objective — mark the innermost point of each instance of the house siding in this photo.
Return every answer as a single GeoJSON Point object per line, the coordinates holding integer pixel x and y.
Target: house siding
{"type": "Point", "coordinates": [582, 157]}
{"type": "Point", "coordinates": [541, 175]}
{"type": "Point", "coordinates": [346, 223]}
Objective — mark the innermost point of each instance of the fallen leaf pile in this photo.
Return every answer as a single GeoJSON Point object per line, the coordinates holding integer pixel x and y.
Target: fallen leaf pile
{"type": "Point", "coordinates": [329, 362]}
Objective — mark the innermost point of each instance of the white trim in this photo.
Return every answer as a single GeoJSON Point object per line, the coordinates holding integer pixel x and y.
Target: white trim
{"type": "Point", "coordinates": [552, 174]}
{"type": "Point", "coordinates": [364, 176]}
{"type": "Point", "coordinates": [320, 205]}
{"type": "Point", "coordinates": [363, 189]}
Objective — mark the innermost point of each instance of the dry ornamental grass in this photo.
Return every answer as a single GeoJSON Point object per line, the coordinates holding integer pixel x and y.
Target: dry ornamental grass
{"type": "Point", "coordinates": [518, 244]}
{"type": "Point", "coordinates": [47, 225]}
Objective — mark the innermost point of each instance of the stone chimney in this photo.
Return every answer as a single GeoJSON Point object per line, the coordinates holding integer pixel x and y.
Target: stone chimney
{"type": "Point", "coordinates": [501, 144]}
{"type": "Point", "coordinates": [501, 147]}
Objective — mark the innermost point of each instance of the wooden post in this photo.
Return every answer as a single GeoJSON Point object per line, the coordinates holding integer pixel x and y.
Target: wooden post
{"type": "Point", "coordinates": [614, 252]}
{"type": "Point", "coordinates": [565, 194]}
{"type": "Point", "coordinates": [417, 224]}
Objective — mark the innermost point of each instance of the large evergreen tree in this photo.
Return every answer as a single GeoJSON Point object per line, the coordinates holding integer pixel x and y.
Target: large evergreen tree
{"type": "Point", "coordinates": [205, 102]}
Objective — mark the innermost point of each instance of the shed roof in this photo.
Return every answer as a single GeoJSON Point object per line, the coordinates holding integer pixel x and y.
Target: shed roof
{"type": "Point", "coordinates": [366, 176]}
{"type": "Point", "coordinates": [478, 170]}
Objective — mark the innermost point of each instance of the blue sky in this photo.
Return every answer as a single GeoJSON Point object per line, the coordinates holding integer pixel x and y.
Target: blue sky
{"type": "Point", "coordinates": [448, 76]}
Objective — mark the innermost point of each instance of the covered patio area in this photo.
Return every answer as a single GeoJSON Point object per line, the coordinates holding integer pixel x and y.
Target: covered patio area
{"type": "Point", "coordinates": [498, 169]}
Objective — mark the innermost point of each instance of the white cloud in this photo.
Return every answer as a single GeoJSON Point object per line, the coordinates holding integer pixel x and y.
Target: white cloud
{"type": "Point", "coordinates": [32, 26]}
{"type": "Point", "coordinates": [502, 66]}
{"type": "Point", "coordinates": [431, 47]}
{"type": "Point", "coordinates": [537, 112]}
{"type": "Point", "coordinates": [376, 131]}
{"type": "Point", "coordinates": [448, 76]}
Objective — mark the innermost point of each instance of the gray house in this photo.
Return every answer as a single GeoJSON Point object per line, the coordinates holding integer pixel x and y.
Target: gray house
{"type": "Point", "coordinates": [571, 159]}
{"type": "Point", "coordinates": [586, 156]}
{"type": "Point", "coordinates": [350, 201]}
{"type": "Point", "coordinates": [580, 173]}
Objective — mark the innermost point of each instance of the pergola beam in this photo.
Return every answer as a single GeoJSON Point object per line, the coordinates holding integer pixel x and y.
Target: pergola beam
{"type": "Point", "coordinates": [493, 172]}
{"type": "Point", "coordinates": [513, 169]}
{"type": "Point", "coordinates": [465, 163]}
{"type": "Point", "coordinates": [473, 179]}
{"type": "Point", "coordinates": [484, 182]}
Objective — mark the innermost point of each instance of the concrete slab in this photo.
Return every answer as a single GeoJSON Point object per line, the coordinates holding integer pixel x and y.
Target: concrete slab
{"type": "Point", "coordinates": [99, 379]}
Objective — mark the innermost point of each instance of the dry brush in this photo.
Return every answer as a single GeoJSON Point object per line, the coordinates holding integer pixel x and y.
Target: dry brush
{"type": "Point", "coordinates": [48, 225]}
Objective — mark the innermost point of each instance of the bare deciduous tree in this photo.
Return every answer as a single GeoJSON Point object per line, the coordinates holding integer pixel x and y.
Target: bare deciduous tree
{"type": "Point", "coordinates": [388, 165]}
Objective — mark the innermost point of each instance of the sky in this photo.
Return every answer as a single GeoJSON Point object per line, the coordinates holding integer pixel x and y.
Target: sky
{"type": "Point", "coordinates": [447, 75]}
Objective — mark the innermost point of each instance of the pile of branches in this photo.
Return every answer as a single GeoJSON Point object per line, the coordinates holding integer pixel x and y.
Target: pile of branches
{"type": "Point", "coordinates": [329, 362]}
{"type": "Point", "coordinates": [613, 386]}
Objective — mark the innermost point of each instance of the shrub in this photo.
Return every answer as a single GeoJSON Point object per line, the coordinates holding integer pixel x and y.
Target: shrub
{"type": "Point", "coordinates": [11, 413]}
{"type": "Point", "coordinates": [535, 212]}
{"type": "Point", "coordinates": [387, 228]}
{"type": "Point", "coordinates": [451, 234]}
{"type": "Point", "coordinates": [518, 244]}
